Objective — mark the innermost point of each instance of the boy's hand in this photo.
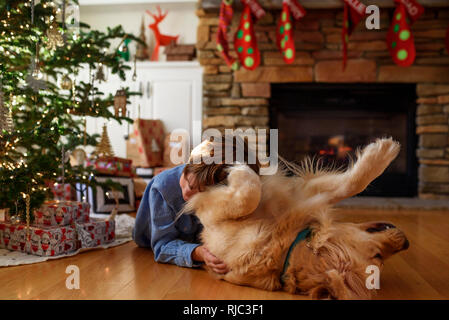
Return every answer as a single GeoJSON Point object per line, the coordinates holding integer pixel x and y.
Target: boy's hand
{"type": "Point", "coordinates": [202, 254]}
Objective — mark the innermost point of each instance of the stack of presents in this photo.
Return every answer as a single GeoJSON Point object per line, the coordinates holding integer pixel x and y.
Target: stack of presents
{"type": "Point", "coordinates": [59, 227]}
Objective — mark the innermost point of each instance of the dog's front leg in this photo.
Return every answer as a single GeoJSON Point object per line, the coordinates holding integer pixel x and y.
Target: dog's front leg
{"type": "Point", "coordinates": [238, 198]}
{"type": "Point", "coordinates": [371, 163]}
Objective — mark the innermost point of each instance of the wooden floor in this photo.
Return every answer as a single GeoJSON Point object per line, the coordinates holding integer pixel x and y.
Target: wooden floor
{"type": "Point", "coordinates": [129, 272]}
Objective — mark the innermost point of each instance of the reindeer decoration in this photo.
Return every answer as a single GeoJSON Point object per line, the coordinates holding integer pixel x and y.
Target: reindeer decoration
{"type": "Point", "coordinates": [161, 39]}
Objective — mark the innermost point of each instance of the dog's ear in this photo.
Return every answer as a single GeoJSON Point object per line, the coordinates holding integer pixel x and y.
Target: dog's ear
{"type": "Point", "coordinates": [341, 286]}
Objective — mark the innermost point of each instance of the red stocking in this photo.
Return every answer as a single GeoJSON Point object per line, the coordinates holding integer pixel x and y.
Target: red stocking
{"type": "Point", "coordinates": [222, 41]}
{"type": "Point", "coordinates": [245, 41]}
{"type": "Point", "coordinates": [284, 31]}
{"type": "Point", "coordinates": [399, 38]}
{"type": "Point", "coordinates": [354, 11]}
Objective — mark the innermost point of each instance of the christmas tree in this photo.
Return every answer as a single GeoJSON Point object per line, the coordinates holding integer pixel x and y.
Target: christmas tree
{"type": "Point", "coordinates": [39, 46]}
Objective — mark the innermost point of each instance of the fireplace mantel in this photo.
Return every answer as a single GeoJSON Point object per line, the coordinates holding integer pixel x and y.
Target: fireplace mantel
{"type": "Point", "coordinates": [321, 4]}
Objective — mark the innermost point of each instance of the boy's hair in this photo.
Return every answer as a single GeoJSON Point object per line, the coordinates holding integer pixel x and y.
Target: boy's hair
{"type": "Point", "coordinates": [211, 174]}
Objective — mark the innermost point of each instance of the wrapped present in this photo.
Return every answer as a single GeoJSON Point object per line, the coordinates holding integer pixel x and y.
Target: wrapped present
{"type": "Point", "coordinates": [38, 240]}
{"type": "Point", "coordinates": [113, 166]}
{"type": "Point", "coordinates": [145, 144]}
{"type": "Point", "coordinates": [174, 147]}
{"type": "Point", "coordinates": [96, 232]}
{"type": "Point", "coordinates": [61, 213]}
{"type": "Point", "coordinates": [62, 192]}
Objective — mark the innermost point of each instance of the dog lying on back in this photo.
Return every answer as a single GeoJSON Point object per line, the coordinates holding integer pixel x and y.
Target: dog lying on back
{"type": "Point", "coordinates": [251, 222]}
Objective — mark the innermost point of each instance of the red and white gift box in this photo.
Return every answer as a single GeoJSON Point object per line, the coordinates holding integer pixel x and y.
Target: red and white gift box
{"type": "Point", "coordinates": [61, 213]}
{"type": "Point", "coordinates": [96, 232]}
{"type": "Point", "coordinates": [113, 166]}
{"type": "Point", "coordinates": [42, 240]}
{"type": "Point", "coordinates": [62, 192]}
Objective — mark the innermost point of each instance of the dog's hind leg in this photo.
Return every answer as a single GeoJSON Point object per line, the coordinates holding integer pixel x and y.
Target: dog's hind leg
{"type": "Point", "coordinates": [371, 163]}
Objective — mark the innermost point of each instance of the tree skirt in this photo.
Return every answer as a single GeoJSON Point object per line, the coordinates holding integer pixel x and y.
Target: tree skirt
{"type": "Point", "coordinates": [123, 233]}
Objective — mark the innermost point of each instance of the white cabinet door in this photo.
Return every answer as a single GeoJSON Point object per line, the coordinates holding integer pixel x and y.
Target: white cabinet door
{"type": "Point", "coordinates": [172, 102]}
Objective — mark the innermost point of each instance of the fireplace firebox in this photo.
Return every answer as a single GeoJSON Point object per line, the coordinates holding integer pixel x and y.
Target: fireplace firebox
{"type": "Point", "coordinates": [330, 121]}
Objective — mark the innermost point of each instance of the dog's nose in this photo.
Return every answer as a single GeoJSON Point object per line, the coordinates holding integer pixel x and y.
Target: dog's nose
{"type": "Point", "coordinates": [380, 226]}
{"type": "Point", "coordinates": [405, 245]}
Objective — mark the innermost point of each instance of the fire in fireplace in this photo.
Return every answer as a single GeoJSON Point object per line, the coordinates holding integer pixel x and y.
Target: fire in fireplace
{"type": "Point", "coordinates": [328, 122]}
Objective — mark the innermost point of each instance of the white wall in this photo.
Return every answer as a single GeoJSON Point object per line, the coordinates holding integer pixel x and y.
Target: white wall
{"type": "Point", "coordinates": [181, 19]}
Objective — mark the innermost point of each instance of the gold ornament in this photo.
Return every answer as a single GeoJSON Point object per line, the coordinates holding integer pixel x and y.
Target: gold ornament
{"type": "Point", "coordinates": [120, 103]}
{"type": "Point", "coordinates": [55, 38]}
{"type": "Point", "coordinates": [66, 83]}
{"type": "Point", "coordinates": [104, 148]}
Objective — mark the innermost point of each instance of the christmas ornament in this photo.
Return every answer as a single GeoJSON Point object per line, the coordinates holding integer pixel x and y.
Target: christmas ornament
{"type": "Point", "coordinates": [141, 49]}
{"type": "Point", "coordinates": [15, 219]}
{"type": "Point", "coordinates": [66, 83]}
{"type": "Point", "coordinates": [225, 19]}
{"type": "Point", "coordinates": [104, 148]}
{"type": "Point", "coordinates": [55, 38]}
{"type": "Point", "coordinates": [34, 77]}
{"type": "Point", "coordinates": [245, 41]}
{"type": "Point", "coordinates": [100, 75]}
{"type": "Point", "coordinates": [284, 31]}
{"type": "Point", "coordinates": [161, 39]}
{"type": "Point", "coordinates": [354, 11]}
{"type": "Point", "coordinates": [120, 103]}
{"type": "Point", "coordinates": [399, 37]}
{"type": "Point", "coordinates": [123, 49]}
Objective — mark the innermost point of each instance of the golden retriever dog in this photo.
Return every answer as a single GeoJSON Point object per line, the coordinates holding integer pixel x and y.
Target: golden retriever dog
{"type": "Point", "coordinates": [251, 221]}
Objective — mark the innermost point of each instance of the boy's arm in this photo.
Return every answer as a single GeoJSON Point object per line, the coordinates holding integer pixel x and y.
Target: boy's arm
{"type": "Point", "coordinates": [165, 242]}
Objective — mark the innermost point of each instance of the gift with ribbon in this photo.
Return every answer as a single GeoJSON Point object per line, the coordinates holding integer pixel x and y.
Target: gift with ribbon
{"type": "Point", "coordinates": [399, 38]}
{"type": "Point", "coordinates": [354, 12]}
{"type": "Point", "coordinates": [245, 41]}
{"type": "Point", "coordinates": [285, 27]}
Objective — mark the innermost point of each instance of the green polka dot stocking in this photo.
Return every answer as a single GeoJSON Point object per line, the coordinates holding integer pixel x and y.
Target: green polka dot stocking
{"type": "Point", "coordinates": [245, 41]}
{"type": "Point", "coordinates": [400, 39]}
{"type": "Point", "coordinates": [284, 30]}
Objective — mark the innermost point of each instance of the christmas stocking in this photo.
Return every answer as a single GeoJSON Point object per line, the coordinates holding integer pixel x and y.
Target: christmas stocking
{"type": "Point", "coordinates": [284, 31]}
{"type": "Point", "coordinates": [399, 38]}
{"type": "Point", "coordinates": [245, 41]}
{"type": "Point", "coordinates": [222, 39]}
{"type": "Point", "coordinates": [354, 11]}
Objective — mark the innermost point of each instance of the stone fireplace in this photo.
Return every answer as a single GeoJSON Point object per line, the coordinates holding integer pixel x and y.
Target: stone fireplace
{"type": "Point", "coordinates": [247, 99]}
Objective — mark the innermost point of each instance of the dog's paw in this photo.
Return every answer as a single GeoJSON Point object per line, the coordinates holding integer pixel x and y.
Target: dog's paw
{"type": "Point", "coordinates": [381, 152]}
